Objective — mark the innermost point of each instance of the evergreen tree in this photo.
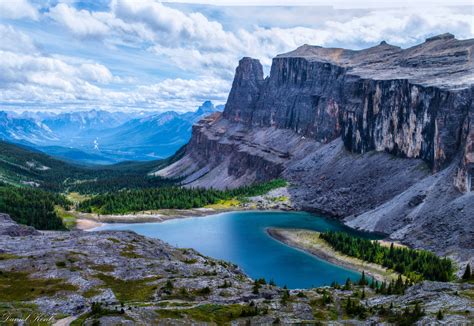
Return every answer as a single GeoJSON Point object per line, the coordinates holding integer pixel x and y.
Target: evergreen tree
{"type": "Point", "coordinates": [467, 272]}
{"type": "Point", "coordinates": [363, 279]}
{"type": "Point", "coordinates": [414, 264]}
{"type": "Point", "coordinates": [440, 315]}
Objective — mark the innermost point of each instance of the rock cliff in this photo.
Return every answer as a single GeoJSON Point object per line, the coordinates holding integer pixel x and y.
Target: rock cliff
{"type": "Point", "coordinates": [380, 137]}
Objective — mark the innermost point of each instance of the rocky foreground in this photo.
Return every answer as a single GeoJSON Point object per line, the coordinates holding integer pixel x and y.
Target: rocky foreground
{"type": "Point", "coordinates": [114, 277]}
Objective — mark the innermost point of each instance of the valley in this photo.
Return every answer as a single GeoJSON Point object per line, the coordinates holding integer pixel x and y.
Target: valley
{"type": "Point", "coordinates": [271, 213]}
{"type": "Point", "coordinates": [102, 137]}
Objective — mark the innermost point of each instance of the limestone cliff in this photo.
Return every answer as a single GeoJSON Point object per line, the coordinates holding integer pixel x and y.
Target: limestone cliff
{"type": "Point", "coordinates": [381, 137]}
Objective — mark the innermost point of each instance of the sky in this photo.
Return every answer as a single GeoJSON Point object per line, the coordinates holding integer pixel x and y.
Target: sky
{"type": "Point", "coordinates": [151, 55]}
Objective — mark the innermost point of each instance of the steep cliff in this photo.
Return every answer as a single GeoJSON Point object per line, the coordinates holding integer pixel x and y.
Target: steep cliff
{"type": "Point", "coordinates": [381, 137]}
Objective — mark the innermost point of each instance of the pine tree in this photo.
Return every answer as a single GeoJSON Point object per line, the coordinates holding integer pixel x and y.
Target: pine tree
{"type": "Point", "coordinates": [348, 284]}
{"type": "Point", "coordinates": [439, 315]}
{"type": "Point", "coordinates": [363, 280]}
{"type": "Point", "coordinates": [467, 272]}
{"type": "Point", "coordinates": [372, 284]}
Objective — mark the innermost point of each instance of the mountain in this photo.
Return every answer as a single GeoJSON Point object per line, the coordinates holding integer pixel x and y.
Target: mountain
{"type": "Point", "coordinates": [24, 130]}
{"type": "Point", "coordinates": [380, 138]}
{"type": "Point", "coordinates": [74, 123]}
{"type": "Point", "coordinates": [151, 137]}
{"type": "Point", "coordinates": [102, 137]}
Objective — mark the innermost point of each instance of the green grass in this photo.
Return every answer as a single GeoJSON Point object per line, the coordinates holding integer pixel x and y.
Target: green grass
{"type": "Point", "coordinates": [129, 252]}
{"type": "Point", "coordinates": [105, 268]}
{"type": "Point", "coordinates": [69, 220]}
{"type": "Point", "coordinates": [130, 290]}
{"type": "Point", "coordinates": [18, 286]}
{"type": "Point", "coordinates": [211, 313]}
{"type": "Point", "coordinates": [6, 256]}
{"type": "Point", "coordinates": [92, 292]}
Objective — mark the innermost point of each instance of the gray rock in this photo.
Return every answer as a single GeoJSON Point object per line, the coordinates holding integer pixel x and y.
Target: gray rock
{"type": "Point", "coordinates": [11, 228]}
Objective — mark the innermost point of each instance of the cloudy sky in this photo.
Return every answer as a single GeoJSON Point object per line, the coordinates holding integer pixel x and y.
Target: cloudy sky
{"type": "Point", "coordinates": [147, 54]}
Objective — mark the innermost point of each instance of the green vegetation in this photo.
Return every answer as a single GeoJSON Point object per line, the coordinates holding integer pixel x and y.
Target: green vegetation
{"type": "Point", "coordinates": [169, 198]}
{"type": "Point", "coordinates": [96, 312]}
{"type": "Point", "coordinates": [406, 317]}
{"type": "Point", "coordinates": [6, 256]}
{"type": "Point", "coordinates": [467, 273]}
{"type": "Point", "coordinates": [130, 290]}
{"type": "Point", "coordinates": [213, 313]}
{"type": "Point", "coordinates": [20, 165]}
{"type": "Point", "coordinates": [18, 286]}
{"type": "Point", "coordinates": [32, 206]}
{"type": "Point", "coordinates": [394, 287]}
{"type": "Point", "coordinates": [106, 268]}
{"type": "Point", "coordinates": [414, 264]}
{"type": "Point", "coordinates": [68, 219]}
{"type": "Point", "coordinates": [129, 252]}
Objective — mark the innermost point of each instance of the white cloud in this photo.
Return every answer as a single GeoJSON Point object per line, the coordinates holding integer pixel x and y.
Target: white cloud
{"type": "Point", "coordinates": [17, 9]}
{"type": "Point", "coordinates": [335, 3]}
{"type": "Point", "coordinates": [15, 41]}
{"type": "Point", "coordinates": [34, 76]}
{"type": "Point", "coordinates": [80, 22]}
{"type": "Point", "coordinates": [197, 44]}
{"type": "Point", "coordinates": [204, 49]}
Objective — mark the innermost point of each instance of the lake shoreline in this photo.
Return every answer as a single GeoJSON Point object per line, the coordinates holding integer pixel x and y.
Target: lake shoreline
{"type": "Point", "coordinates": [296, 238]}
{"type": "Point", "coordinates": [275, 200]}
{"type": "Point", "coordinates": [89, 222]}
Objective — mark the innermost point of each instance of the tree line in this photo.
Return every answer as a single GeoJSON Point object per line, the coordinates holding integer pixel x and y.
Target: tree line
{"type": "Point", "coordinates": [171, 197]}
{"type": "Point", "coordinates": [414, 264]}
{"type": "Point", "coordinates": [32, 207]}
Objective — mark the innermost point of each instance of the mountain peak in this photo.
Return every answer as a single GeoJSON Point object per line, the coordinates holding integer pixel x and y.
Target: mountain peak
{"type": "Point", "coordinates": [205, 108]}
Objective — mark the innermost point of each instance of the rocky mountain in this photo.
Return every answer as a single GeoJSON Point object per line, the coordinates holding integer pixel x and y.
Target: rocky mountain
{"type": "Point", "coordinates": [151, 137]}
{"type": "Point", "coordinates": [23, 130]}
{"type": "Point", "coordinates": [381, 138]}
{"type": "Point", "coordinates": [101, 137]}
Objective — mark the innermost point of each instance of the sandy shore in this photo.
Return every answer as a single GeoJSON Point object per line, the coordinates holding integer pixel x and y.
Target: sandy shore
{"type": "Point", "coordinates": [309, 241]}
{"type": "Point", "coordinates": [86, 221]}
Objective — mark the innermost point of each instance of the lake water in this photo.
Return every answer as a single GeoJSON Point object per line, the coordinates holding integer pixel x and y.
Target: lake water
{"type": "Point", "coordinates": [241, 238]}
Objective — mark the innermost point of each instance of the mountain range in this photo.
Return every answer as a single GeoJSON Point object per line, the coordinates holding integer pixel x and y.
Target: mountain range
{"type": "Point", "coordinates": [102, 137]}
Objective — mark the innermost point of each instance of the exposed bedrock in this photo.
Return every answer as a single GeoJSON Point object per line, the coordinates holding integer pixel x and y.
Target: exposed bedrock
{"type": "Point", "coordinates": [381, 137]}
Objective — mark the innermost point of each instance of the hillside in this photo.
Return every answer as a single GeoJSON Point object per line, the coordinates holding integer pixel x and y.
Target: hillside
{"type": "Point", "coordinates": [381, 138]}
{"type": "Point", "coordinates": [125, 278]}
{"type": "Point", "coordinates": [23, 166]}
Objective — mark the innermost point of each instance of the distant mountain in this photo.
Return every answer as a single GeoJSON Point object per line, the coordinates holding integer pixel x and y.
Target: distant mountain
{"type": "Point", "coordinates": [24, 130]}
{"type": "Point", "coordinates": [102, 137]}
{"type": "Point", "coordinates": [152, 137]}
{"type": "Point", "coordinates": [74, 123]}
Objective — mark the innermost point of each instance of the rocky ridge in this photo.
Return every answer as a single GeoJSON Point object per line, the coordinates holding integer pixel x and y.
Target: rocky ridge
{"type": "Point", "coordinates": [118, 277]}
{"type": "Point", "coordinates": [380, 137]}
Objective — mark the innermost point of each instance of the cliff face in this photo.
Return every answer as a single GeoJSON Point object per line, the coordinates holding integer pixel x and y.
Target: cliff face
{"type": "Point", "coordinates": [353, 131]}
{"type": "Point", "coordinates": [328, 93]}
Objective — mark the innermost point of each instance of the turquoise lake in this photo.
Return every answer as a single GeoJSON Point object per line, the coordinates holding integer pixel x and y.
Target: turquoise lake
{"type": "Point", "coordinates": [241, 238]}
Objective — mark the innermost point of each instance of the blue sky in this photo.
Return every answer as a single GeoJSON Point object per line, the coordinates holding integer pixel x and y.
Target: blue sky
{"type": "Point", "coordinates": [151, 55]}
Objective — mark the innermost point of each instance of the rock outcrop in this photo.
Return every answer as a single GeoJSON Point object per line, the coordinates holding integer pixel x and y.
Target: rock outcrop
{"type": "Point", "coordinates": [381, 137]}
{"type": "Point", "coordinates": [8, 227]}
{"type": "Point", "coordinates": [122, 278]}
